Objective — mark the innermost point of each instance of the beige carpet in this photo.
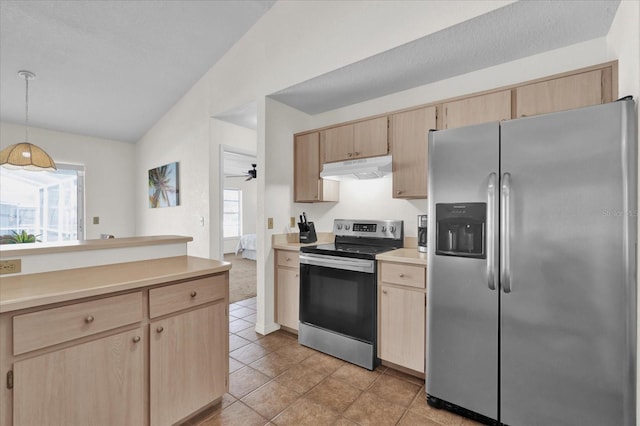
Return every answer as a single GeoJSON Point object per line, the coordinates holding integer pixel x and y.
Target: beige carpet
{"type": "Point", "coordinates": [242, 278]}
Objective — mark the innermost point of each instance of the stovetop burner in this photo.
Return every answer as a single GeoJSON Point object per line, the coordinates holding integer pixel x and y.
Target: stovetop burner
{"type": "Point", "coordinates": [353, 248]}
{"type": "Point", "coordinates": [361, 238]}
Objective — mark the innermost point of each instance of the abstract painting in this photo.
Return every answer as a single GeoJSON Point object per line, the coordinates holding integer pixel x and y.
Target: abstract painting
{"type": "Point", "coordinates": [163, 186]}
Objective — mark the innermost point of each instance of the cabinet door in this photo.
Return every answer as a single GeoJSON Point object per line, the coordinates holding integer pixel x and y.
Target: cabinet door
{"type": "Point", "coordinates": [402, 327]}
{"type": "Point", "coordinates": [188, 362]}
{"type": "Point", "coordinates": [306, 167]}
{"type": "Point", "coordinates": [562, 93]}
{"type": "Point", "coordinates": [288, 297]}
{"type": "Point", "coordinates": [409, 133]}
{"type": "Point", "coordinates": [96, 383]}
{"type": "Point", "coordinates": [478, 109]}
{"type": "Point", "coordinates": [337, 143]}
{"type": "Point", "coordinates": [370, 138]}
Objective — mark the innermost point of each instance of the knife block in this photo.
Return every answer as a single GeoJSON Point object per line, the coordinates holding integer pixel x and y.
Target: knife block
{"type": "Point", "coordinates": [308, 235]}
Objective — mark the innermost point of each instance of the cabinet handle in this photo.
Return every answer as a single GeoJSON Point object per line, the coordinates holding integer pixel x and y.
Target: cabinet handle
{"type": "Point", "coordinates": [356, 153]}
{"type": "Point", "coordinates": [297, 275]}
{"type": "Point", "coordinates": [89, 319]}
{"type": "Point", "coordinates": [401, 275]}
{"type": "Point", "coordinates": [136, 339]}
{"type": "Point", "coordinates": [384, 291]}
{"type": "Point", "coordinates": [160, 329]}
{"type": "Point", "coordinates": [398, 192]}
{"type": "Point", "coordinates": [350, 154]}
{"type": "Point", "coordinates": [288, 259]}
{"type": "Point", "coordinates": [194, 293]}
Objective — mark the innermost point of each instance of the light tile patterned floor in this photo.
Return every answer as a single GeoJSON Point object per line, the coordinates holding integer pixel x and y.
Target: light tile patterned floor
{"type": "Point", "coordinates": [275, 381]}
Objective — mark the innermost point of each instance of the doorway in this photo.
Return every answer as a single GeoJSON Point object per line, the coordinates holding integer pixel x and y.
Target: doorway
{"type": "Point", "coordinates": [238, 220]}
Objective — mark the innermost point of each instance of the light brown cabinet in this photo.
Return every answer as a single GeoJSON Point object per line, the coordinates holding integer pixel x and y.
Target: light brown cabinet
{"type": "Point", "coordinates": [558, 94]}
{"type": "Point", "coordinates": [407, 132]}
{"type": "Point", "coordinates": [408, 135]}
{"type": "Point", "coordinates": [402, 315]}
{"type": "Point", "coordinates": [358, 140]}
{"type": "Point", "coordinates": [105, 361]}
{"type": "Point", "coordinates": [494, 106]}
{"type": "Point", "coordinates": [308, 187]}
{"type": "Point", "coordinates": [188, 354]}
{"type": "Point", "coordinates": [287, 288]}
{"type": "Point", "coordinates": [99, 382]}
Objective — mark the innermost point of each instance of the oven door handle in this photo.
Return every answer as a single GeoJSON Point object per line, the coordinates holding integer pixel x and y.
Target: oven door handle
{"type": "Point", "coordinates": [336, 262]}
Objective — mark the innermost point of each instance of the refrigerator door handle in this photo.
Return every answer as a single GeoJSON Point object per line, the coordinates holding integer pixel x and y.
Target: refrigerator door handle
{"type": "Point", "coordinates": [505, 237]}
{"type": "Point", "coordinates": [491, 230]}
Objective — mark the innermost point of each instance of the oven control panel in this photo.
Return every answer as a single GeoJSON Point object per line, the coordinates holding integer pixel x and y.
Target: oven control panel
{"type": "Point", "coordinates": [369, 228]}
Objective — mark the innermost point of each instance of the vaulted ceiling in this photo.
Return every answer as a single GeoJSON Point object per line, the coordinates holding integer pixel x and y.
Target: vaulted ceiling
{"type": "Point", "coordinates": [111, 69]}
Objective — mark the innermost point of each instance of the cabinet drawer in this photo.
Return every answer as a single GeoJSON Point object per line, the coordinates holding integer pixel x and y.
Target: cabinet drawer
{"type": "Point", "coordinates": [288, 258]}
{"type": "Point", "coordinates": [413, 276]}
{"type": "Point", "coordinates": [52, 326]}
{"type": "Point", "coordinates": [173, 298]}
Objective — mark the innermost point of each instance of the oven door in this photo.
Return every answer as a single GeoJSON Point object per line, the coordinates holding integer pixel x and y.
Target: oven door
{"type": "Point", "coordinates": [339, 294]}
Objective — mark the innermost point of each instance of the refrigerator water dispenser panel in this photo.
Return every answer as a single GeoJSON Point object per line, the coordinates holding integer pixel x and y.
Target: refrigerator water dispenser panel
{"type": "Point", "coordinates": [460, 229]}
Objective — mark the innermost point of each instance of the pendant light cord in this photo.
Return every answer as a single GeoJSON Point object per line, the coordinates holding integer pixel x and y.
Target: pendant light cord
{"type": "Point", "coordinates": [26, 111]}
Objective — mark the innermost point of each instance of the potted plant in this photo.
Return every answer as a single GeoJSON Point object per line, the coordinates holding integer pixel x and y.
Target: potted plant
{"type": "Point", "coordinates": [22, 237]}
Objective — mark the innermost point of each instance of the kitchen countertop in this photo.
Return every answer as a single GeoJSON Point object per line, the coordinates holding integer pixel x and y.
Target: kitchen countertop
{"type": "Point", "coordinates": [291, 241]}
{"type": "Point", "coordinates": [32, 290]}
{"type": "Point", "coordinates": [10, 250]}
{"type": "Point", "coordinates": [404, 255]}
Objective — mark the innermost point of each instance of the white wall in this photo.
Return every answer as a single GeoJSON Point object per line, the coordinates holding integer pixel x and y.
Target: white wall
{"type": "Point", "coordinates": [182, 135]}
{"type": "Point", "coordinates": [109, 170]}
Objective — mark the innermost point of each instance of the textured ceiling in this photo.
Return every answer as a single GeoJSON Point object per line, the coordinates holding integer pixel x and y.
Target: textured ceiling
{"type": "Point", "coordinates": [112, 68]}
{"type": "Point", "coordinates": [515, 31]}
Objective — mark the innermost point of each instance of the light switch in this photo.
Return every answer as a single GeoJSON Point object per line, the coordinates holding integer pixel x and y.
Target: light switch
{"type": "Point", "coordinates": [270, 223]}
{"type": "Point", "coordinates": [96, 220]}
{"type": "Point", "coordinates": [292, 222]}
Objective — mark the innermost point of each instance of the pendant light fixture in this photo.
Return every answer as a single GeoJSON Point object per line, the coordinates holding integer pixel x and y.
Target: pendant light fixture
{"type": "Point", "coordinates": [25, 155]}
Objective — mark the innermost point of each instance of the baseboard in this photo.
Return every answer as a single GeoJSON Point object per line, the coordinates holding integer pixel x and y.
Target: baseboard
{"type": "Point", "coordinates": [265, 329]}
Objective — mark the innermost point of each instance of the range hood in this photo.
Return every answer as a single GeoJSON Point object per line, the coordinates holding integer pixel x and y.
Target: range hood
{"type": "Point", "coordinates": [364, 168]}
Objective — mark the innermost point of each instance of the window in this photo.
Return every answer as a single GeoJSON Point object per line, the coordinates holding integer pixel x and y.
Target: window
{"type": "Point", "coordinates": [232, 221]}
{"type": "Point", "coordinates": [47, 204]}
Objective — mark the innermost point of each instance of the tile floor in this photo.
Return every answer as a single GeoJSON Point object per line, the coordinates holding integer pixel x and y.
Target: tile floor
{"type": "Point", "coordinates": [275, 381]}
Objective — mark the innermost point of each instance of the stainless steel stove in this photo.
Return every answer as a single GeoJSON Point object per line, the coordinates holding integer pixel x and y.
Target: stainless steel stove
{"type": "Point", "coordinates": [338, 297]}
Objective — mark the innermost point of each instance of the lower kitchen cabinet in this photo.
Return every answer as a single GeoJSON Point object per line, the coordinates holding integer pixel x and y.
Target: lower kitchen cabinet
{"type": "Point", "coordinates": [99, 383]}
{"type": "Point", "coordinates": [187, 359]}
{"type": "Point", "coordinates": [154, 355]}
{"type": "Point", "coordinates": [402, 315]}
{"type": "Point", "coordinates": [287, 288]}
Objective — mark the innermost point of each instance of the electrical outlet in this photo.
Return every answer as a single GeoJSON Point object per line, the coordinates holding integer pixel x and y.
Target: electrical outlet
{"type": "Point", "coordinates": [12, 266]}
{"type": "Point", "coordinates": [96, 220]}
{"type": "Point", "coordinates": [269, 223]}
{"type": "Point", "coordinates": [292, 222]}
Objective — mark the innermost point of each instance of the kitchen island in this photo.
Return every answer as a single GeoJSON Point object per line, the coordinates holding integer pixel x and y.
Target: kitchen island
{"type": "Point", "coordinates": [141, 342]}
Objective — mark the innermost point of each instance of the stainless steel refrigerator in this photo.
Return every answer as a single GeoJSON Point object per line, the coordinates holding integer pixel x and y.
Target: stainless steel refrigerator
{"type": "Point", "coordinates": [531, 316]}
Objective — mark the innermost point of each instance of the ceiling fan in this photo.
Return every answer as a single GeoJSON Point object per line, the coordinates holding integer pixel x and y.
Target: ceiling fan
{"type": "Point", "coordinates": [250, 174]}
{"type": "Point", "coordinates": [253, 173]}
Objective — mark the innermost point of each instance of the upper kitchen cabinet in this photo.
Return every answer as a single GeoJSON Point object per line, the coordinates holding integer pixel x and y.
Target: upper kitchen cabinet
{"type": "Point", "coordinates": [477, 109]}
{"type": "Point", "coordinates": [308, 187]}
{"type": "Point", "coordinates": [408, 136]}
{"type": "Point", "coordinates": [358, 140]}
{"type": "Point", "coordinates": [573, 91]}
